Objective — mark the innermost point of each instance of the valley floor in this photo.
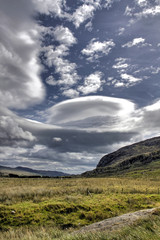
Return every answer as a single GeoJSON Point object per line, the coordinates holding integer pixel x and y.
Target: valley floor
{"type": "Point", "coordinates": [55, 208]}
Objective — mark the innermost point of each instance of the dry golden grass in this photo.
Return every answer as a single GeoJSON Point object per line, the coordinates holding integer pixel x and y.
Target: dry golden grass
{"type": "Point", "coordinates": [19, 189]}
{"type": "Point", "coordinates": [29, 203]}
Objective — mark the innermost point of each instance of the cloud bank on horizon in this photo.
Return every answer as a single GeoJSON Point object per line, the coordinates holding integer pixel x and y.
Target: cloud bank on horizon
{"type": "Point", "coordinates": [77, 80]}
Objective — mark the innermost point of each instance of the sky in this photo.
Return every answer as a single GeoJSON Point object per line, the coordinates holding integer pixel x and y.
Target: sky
{"type": "Point", "coordinates": [78, 79]}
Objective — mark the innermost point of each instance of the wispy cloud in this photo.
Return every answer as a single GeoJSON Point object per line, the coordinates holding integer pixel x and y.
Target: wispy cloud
{"type": "Point", "coordinates": [129, 79]}
{"type": "Point", "coordinates": [125, 76]}
{"type": "Point", "coordinates": [84, 12]}
{"type": "Point", "coordinates": [135, 42]}
{"type": "Point", "coordinates": [121, 64]}
{"type": "Point", "coordinates": [146, 9]}
{"type": "Point", "coordinates": [96, 49]}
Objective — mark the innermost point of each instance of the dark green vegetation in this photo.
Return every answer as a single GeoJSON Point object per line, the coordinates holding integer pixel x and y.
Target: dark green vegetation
{"type": "Point", "coordinates": [139, 159]}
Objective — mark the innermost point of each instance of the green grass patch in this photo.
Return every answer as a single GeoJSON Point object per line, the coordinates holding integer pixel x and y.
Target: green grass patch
{"type": "Point", "coordinates": [145, 229]}
{"type": "Point", "coordinates": [71, 203]}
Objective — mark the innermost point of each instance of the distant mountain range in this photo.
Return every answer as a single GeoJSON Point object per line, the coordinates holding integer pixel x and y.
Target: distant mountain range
{"type": "Point", "coordinates": [28, 172]}
{"type": "Point", "coordinates": [139, 158]}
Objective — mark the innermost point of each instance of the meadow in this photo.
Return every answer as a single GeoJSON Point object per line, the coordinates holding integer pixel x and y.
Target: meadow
{"type": "Point", "coordinates": [53, 208]}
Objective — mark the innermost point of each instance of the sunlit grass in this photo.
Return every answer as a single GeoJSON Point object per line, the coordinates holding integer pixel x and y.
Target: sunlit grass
{"type": "Point", "coordinates": [63, 204]}
{"type": "Point", "coordinates": [148, 229]}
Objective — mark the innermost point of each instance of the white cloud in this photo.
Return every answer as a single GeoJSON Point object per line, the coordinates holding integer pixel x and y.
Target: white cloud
{"type": "Point", "coordinates": [90, 106]}
{"type": "Point", "coordinates": [120, 64]}
{"type": "Point", "coordinates": [66, 69]}
{"type": "Point", "coordinates": [51, 81]}
{"type": "Point", "coordinates": [108, 3]}
{"type": "Point", "coordinates": [52, 52]}
{"type": "Point", "coordinates": [135, 42]}
{"type": "Point", "coordinates": [153, 107]}
{"type": "Point", "coordinates": [56, 56]}
{"type": "Point", "coordinates": [125, 79]}
{"type": "Point", "coordinates": [92, 83]}
{"type": "Point", "coordinates": [129, 78]}
{"type": "Point", "coordinates": [89, 26]}
{"type": "Point", "coordinates": [57, 139]}
{"type": "Point", "coordinates": [11, 132]}
{"type": "Point", "coordinates": [147, 9]}
{"type": "Point", "coordinates": [119, 84]}
{"type": "Point", "coordinates": [64, 36]}
{"type": "Point", "coordinates": [96, 49]}
{"type": "Point", "coordinates": [50, 7]}
{"type": "Point", "coordinates": [84, 12]}
{"type": "Point", "coordinates": [157, 70]}
{"type": "Point", "coordinates": [20, 69]}
{"type": "Point", "coordinates": [154, 11]}
{"type": "Point", "coordinates": [128, 11]}
{"type": "Point", "coordinates": [121, 31]}
{"type": "Point", "coordinates": [142, 3]}
{"type": "Point", "coordinates": [71, 93]}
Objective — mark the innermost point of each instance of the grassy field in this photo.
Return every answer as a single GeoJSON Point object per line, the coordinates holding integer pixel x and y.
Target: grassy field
{"type": "Point", "coordinates": [148, 229]}
{"type": "Point", "coordinates": [52, 208]}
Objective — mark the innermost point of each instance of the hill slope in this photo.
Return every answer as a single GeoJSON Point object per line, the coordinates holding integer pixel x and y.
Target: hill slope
{"type": "Point", "coordinates": [141, 156]}
{"type": "Point", "coordinates": [28, 172]}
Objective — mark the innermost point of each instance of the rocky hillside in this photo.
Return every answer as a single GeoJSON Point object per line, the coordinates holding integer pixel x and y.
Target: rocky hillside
{"type": "Point", "coordinates": [139, 156]}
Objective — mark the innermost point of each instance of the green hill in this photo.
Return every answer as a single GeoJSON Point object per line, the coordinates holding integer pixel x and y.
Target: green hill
{"type": "Point", "coordinates": [141, 158]}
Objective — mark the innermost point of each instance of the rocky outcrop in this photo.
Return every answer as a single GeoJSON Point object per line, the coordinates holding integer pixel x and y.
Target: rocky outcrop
{"type": "Point", "coordinates": [144, 149]}
{"type": "Point", "coordinates": [119, 222]}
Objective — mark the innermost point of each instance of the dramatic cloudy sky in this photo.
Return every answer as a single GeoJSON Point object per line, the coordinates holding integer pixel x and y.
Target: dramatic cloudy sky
{"type": "Point", "coordinates": [78, 79]}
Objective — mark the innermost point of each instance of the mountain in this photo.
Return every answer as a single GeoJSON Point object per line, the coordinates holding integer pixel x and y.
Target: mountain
{"type": "Point", "coordinates": [44, 173]}
{"type": "Point", "coordinates": [28, 172]}
{"type": "Point", "coordinates": [8, 171]}
{"type": "Point", "coordinates": [142, 157]}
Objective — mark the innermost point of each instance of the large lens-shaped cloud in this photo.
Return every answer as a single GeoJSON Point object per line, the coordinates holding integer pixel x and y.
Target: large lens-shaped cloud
{"type": "Point", "coordinates": [92, 111]}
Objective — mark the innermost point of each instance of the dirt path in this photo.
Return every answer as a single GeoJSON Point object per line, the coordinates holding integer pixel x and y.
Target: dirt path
{"type": "Point", "coordinates": [118, 222]}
